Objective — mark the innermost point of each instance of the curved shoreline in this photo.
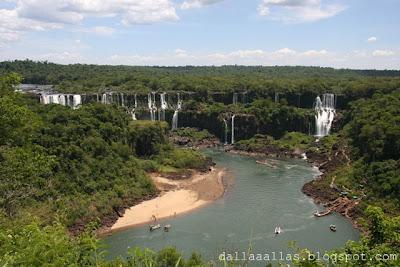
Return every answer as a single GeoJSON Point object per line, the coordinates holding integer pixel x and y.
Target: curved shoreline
{"type": "Point", "coordinates": [177, 197]}
{"type": "Point", "coordinates": [325, 164]}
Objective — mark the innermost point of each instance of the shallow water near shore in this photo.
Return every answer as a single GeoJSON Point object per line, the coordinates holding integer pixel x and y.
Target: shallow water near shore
{"type": "Point", "coordinates": [260, 198]}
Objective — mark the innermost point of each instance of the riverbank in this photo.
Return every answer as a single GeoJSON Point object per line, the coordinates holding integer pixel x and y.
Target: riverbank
{"type": "Point", "coordinates": [176, 197]}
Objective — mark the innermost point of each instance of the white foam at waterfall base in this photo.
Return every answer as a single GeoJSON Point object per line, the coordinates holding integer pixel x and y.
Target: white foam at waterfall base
{"type": "Point", "coordinates": [325, 113]}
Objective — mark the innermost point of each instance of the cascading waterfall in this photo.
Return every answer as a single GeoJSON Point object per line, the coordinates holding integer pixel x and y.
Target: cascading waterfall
{"type": "Point", "coordinates": [122, 100]}
{"type": "Point", "coordinates": [133, 114]}
{"type": "Point", "coordinates": [164, 105]}
{"type": "Point", "coordinates": [325, 113]}
{"type": "Point", "coordinates": [61, 99]}
{"type": "Point", "coordinates": [225, 131]}
{"type": "Point", "coordinates": [133, 110]}
{"type": "Point", "coordinates": [233, 130]}
{"type": "Point", "coordinates": [136, 101]}
{"type": "Point", "coordinates": [76, 101]}
{"type": "Point", "coordinates": [175, 116]}
{"type": "Point", "coordinates": [235, 98]}
{"type": "Point", "coordinates": [106, 98]}
{"type": "Point", "coordinates": [151, 99]}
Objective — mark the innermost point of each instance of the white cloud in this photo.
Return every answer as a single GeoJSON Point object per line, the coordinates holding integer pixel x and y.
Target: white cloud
{"type": "Point", "coordinates": [298, 10]}
{"type": "Point", "coordinates": [74, 11]}
{"type": "Point", "coordinates": [286, 51]}
{"type": "Point", "coordinates": [358, 59]}
{"type": "Point", "coordinates": [314, 53]}
{"type": "Point", "coordinates": [372, 39]}
{"type": "Point", "coordinates": [198, 3]}
{"type": "Point", "coordinates": [247, 53]}
{"type": "Point", "coordinates": [39, 15]}
{"type": "Point", "coordinates": [12, 26]}
{"type": "Point", "coordinates": [284, 56]}
{"type": "Point", "coordinates": [382, 53]}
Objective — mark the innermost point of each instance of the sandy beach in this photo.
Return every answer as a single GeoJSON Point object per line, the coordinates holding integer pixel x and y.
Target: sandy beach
{"type": "Point", "coordinates": [176, 197]}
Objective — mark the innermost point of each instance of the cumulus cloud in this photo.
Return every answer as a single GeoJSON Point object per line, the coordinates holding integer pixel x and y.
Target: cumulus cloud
{"type": "Point", "coordinates": [12, 26]}
{"type": "Point", "coordinates": [74, 11]}
{"type": "Point", "coordinates": [372, 39]}
{"type": "Point", "coordinates": [298, 10]}
{"type": "Point", "coordinates": [198, 3]}
{"type": "Point", "coordinates": [39, 15]}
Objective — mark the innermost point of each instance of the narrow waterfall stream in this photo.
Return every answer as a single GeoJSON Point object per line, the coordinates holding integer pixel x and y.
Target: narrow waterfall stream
{"type": "Point", "coordinates": [176, 112]}
{"type": "Point", "coordinates": [233, 129]}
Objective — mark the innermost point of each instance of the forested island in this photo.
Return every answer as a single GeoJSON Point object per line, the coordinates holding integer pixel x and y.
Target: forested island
{"type": "Point", "coordinates": [68, 172]}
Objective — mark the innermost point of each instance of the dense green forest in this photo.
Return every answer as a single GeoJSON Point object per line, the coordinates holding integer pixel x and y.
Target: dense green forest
{"type": "Point", "coordinates": [76, 167]}
{"type": "Point", "coordinates": [256, 81]}
{"type": "Point", "coordinates": [65, 170]}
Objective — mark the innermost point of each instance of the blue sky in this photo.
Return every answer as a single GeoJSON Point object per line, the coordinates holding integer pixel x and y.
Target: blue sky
{"type": "Point", "coordinates": [335, 33]}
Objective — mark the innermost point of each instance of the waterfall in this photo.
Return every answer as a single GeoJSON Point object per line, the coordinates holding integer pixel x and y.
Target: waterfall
{"type": "Point", "coordinates": [325, 113]}
{"type": "Point", "coordinates": [133, 113]}
{"type": "Point", "coordinates": [233, 130]}
{"type": "Point", "coordinates": [61, 99]}
{"type": "Point", "coordinates": [235, 99]}
{"type": "Point", "coordinates": [104, 98]}
{"type": "Point", "coordinates": [175, 116]}
{"type": "Point", "coordinates": [175, 120]}
{"type": "Point", "coordinates": [164, 106]}
{"type": "Point", "coordinates": [225, 132]}
{"type": "Point", "coordinates": [135, 101]}
{"type": "Point", "coordinates": [76, 101]}
{"type": "Point", "coordinates": [152, 106]}
{"type": "Point", "coordinates": [122, 100]}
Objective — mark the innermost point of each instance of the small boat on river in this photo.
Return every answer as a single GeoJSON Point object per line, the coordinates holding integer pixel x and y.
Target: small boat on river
{"type": "Point", "coordinates": [278, 230]}
{"type": "Point", "coordinates": [167, 227]}
{"type": "Point", "coordinates": [266, 164]}
{"type": "Point", "coordinates": [332, 227]}
{"type": "Point", "coordinates": [154, 227]}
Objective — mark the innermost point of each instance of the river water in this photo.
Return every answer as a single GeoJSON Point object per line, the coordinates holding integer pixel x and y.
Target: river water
{"type": "Point", "coordinates": [260, 198]}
